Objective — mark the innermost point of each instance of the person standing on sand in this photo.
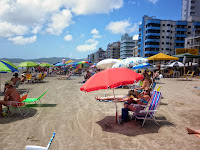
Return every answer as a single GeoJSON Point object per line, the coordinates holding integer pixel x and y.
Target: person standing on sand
{"type": "Point", "coordinates": [11, 96]}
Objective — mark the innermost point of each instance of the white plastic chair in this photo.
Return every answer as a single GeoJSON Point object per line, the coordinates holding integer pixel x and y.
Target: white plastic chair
{"type": "Point", "coordinates": [33, 147]}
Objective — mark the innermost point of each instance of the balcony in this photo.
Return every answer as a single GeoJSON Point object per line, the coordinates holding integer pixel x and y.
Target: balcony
{"type": "Point", "coordinates": [152, 40]}
{"type": "Point", "coordinates": [151, 46]}
{"type": "Point", "coordinates": [196, 23]}
{"type": "Point", "coordinates": [153, 21]}
{"type": "Point", "coordinates": [178, 47]}
{"type": "Point", "coordinates": [153, 28]}
{"type": "Point", "coordinates": [179, 41]}
{"type": "Point", "coordinates": [180, 35]}
{"type": "Point", "coordinates": [184, 23]}
{"type": "Point", "coordinates": [153, 34]}
{"type": "Point", "coordinates": [181, 29]}
{"type": "Point", "coordinates": [151, 52]}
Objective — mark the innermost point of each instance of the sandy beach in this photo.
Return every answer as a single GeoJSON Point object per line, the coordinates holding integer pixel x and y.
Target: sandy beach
{"type": "Point", "coordinates": [80, 122]}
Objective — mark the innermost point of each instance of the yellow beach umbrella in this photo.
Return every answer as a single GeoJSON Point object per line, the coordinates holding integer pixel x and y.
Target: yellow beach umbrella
{"type": "Point", "coordinates": [69, 61]}
{"type": "Point", "coordinates": [161, 56]}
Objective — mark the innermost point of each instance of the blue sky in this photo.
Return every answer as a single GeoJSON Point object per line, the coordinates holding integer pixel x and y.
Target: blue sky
{"type": "Point", "coordinates": [73, 28]}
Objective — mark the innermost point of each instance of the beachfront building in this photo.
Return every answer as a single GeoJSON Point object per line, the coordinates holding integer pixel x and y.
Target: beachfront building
{"type": "Point", "coordinates": [127, 45]}
{"type": "Point", "coordinates": [135, 51]}
{"type": "Point", "coordinates": [113, 50]}
{"type": "Point", "coordinates": [156, 35]}
{"type": "Point", "coordinates": [99, 55]}
{"type": "Point", "coordinates": [91, 57]}
{"type": "Point", "coordinates": [192, 42]}
{"type": "Point", "coordinates": [190, 10]}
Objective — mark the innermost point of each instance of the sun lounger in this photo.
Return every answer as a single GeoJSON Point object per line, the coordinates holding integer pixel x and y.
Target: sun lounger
{"type": "Point", "coordinates": [30, 100]}
{"type": "Point", "coordinates": [33, 147]}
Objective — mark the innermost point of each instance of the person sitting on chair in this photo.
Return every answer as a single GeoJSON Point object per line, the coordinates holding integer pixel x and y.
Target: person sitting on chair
{"type": "Point", "coordinates": [145, 85]}
{"type": "Point", "coordinates": [23, 78]}
{"type": "Point", "coordinates": [11, 95]}
{"type": "Point", "coordinates": [142, 99]}
{"type": "Point", "coordinates": [14, 80]}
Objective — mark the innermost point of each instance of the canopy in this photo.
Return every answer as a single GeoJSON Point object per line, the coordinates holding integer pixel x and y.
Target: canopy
{"type": "Point", "coordinates": [130, 62]}
{"type": "Point", "coordinates": [107, 63]}
{"type": "Point", "coordinates": [28, 64]}
{"type": "Point", "coordinates": [161, 56]}
{"type": "Point", "coordinates": [5, 67]}
{"type": "Point", "coordinates": [69, 61]}
{"type": "Point", "coordinates": [45, 65]}
{"type": "Point", "coordinates": [188, 55]}
{"type": "Point", "coordinates": [176, 64]}
{"type": "Point", "coordinates": [111, 78]}
{"type": "Point", "coordinates": [9, 63]}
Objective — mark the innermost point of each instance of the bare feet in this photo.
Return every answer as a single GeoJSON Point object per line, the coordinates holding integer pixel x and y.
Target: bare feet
{"type": "Point", "coordinates": [97, 98]}
{"type": "Point", "coordinates": [191, 131]}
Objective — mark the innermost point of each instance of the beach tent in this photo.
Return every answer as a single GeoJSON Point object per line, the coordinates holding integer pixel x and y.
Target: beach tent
{"type": "Point", "coordinates": [161, 56]}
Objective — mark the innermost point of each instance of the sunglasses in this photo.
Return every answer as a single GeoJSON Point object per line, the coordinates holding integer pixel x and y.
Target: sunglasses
{"type": "Point", "coordinates": [146, 90]}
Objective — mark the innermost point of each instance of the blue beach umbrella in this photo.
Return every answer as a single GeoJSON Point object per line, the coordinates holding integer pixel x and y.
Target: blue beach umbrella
{"type": "Point", "coordinates": [59, 64]}
{"type": "Point", "coordinates": [4, 68]}
{"type": "Point", "coordinates": [140, 66]}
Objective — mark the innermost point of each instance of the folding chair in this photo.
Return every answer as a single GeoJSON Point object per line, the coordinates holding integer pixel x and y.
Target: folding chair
{"type": "Point", "coordinates": [33, 147]}
{"type": "Point", "coordinates": [18, 105]}
{"type": "Point", "coordinates": [150, 113]}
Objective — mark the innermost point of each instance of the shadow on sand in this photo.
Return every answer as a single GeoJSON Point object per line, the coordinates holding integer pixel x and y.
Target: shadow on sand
{"type": "Point", "coordinates": [41, 105]}
{"type": "Point", "coordinates": [17, 116]}
{"type": "Point", "coordinates": [132, 128]}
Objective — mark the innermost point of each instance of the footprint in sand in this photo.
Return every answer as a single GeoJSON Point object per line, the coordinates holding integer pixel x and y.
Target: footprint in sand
{"type": "Point", "coordinates": [32, 139]}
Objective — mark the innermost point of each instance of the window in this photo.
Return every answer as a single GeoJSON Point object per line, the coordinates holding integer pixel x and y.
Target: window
{"type": "Point", "coordinates": [168, 24]}
{"type": "Point", "coordinates": [167, 43]}
{"type": "Point", "coordinates": [189, 26]}
{"type": "Point", "coordinates": [163, 24]}
{"type": "Point", "coordinates": [168, 30]}
{"type": "Point", "coordinates": [163, 37]}
{"type": "Point", "coordinates": [171, 25]}
{"type": "Point", "coordinates": [162, 42]}
{"type": "Point", "coordinates": [168, 37]}
{"type": "Point", "coordinates": [163, 30]}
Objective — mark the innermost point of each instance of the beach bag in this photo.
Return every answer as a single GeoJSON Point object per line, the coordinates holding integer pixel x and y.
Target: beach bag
{"type": "Point", "coordinates": [125, 116]}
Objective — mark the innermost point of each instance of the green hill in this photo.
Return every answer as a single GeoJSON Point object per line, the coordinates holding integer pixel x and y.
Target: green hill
{"type": "Point", "coordinates": [50, 60]}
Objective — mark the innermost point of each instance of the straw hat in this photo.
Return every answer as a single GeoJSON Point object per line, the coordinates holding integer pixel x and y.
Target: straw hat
{"type": "Point", "coordinates": [9, 82]}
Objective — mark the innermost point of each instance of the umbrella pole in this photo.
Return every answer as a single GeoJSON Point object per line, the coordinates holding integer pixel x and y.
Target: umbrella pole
{"type": "Point", "coordinates": [116, 117]}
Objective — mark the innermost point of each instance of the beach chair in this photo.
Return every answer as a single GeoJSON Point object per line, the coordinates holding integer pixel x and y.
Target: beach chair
{"type": "Point", "coordinates": [150, 112]}
{"type": "Point", "coordinates": [158, 89]}
{"type": "Point", "coordinates": [29, 78]}
{"type": "Point", "coordinates": [33, 147]}
{"type": "Point", "coordinates": [189, 76]}
{"type": "Point", "coordinates": [152, 86]}
{"type": "Point", "coordinates": [42, 78]}
{"type": "Point", "coordinates": [38, 78]}
{"type": "Point", "coordinates": [185, 75]}
{"type": "Point", "coordinates": [18, 105]}
{"type": "Point", "coordinates": [36, 100]}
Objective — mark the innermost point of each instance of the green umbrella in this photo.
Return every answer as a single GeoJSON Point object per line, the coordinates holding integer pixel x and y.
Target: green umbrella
{"type": "Point", "coordinates": [45, 65]}
{"type": "Point", "coordinates": [9, 63]}
{"type": "Point", "coordinates": [28, 64]}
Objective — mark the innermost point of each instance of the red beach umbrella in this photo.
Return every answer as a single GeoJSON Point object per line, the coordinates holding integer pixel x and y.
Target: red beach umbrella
{"type": "Point", "coordinates": [111, 78]}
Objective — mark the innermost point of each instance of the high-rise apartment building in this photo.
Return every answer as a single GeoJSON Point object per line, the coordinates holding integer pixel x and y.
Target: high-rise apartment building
{"type": "Point", "coordinates": [156, 35]}
{"type": "Point", "coordinates": [190, 10]}
{"type": "Point", "coordinates": [113, 50]}
{"type": "Point", "coordinates": [127, 45]}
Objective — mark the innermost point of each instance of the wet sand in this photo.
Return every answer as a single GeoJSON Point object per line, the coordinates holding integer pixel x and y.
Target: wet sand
{"type": "Point", "coordinates": [80, 122]}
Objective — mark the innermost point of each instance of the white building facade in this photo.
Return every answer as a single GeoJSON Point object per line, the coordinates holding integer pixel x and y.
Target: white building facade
{"type": "Point", "coordinates": [190, 10]}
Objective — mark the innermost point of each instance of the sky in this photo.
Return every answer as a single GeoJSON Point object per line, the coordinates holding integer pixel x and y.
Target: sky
{"type": "Point", "coordinates": [31, 29]}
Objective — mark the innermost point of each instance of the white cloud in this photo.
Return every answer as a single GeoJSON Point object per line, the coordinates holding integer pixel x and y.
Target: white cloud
{"type": "Point", "coordinates": [121, 27]}
{"type": "Point", "coordinates": [36, 29]}
{"type": "Point", "coordinates": [153, 1]}
{"type": "Point", "coordinates": [20, 40]}
{"type": "Point", "coordinates": [89, 45]}
{"type": "Point", "coordinates": [94, 31]}
{"type": "Point", "coordinates": [84, 7]}
{"type": "Point", "coordinates": [68, 37]}
{"type": "Point", "coordinates": [96, 36]}
{"type": "Point", "coordinates": [135, 37]}
{"type": "Point", "coordinates": [8, 29]}
{"type": "Point", "coordinates": [59, 21]}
